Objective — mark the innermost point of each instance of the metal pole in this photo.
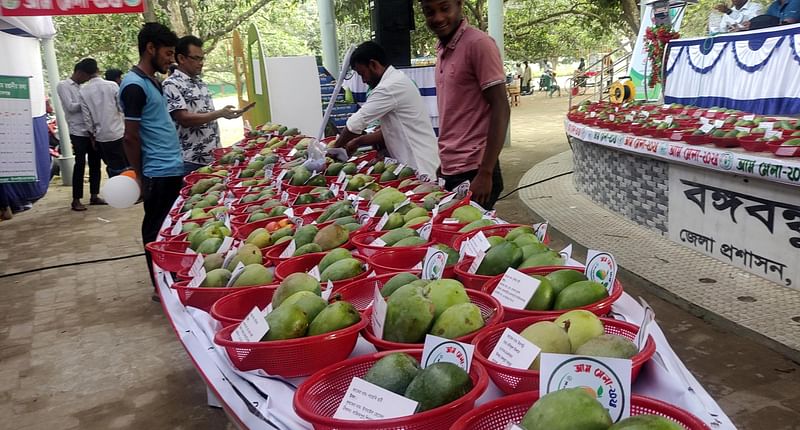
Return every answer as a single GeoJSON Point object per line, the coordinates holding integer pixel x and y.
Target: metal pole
{"type": "Point", "coordinates": [327, 25]}
{"type": "Point", "coordinates": [67, 160]}
{"type": "Point", "coordinates": [496, 31]}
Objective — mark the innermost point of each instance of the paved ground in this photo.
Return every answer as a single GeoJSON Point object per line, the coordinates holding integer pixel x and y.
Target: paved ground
{"type": "Point", "coordinates": [82, 346]}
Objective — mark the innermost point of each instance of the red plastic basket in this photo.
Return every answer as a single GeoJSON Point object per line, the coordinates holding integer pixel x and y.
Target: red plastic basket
{"type": "Point", "coordinates": [306, 262]}
{"type": "Point", "coordinates": [233, 308]}
{"type": "Point", "coordinates": [752, 144]}
{"type": "Point", "coordinates": [362, 242]}
{"type": "Point", "coordinates": [446, 233]}
{"type": "Point", "coordinates": [696, 139]}
{"type": "Point", "coordinates": [470, 280]}
{"type": "Point", "coordinates": [496, 415]}
{"type": "Point", "coordinates": [600, 308]}
{"type": "Point", "coordinates": [319, 396]}
{"type": "Point", "coordinates": [511, 380]}
{"type": "Point", "coordinates": [202, 297]}
{"type": "Point", "coordinates": [292, 357]}
{"type": "Point", "coordinates": [171, 255]}
{"type": "Point", "coordinates": [491, 310]}
{"type": "Point", "coordinates": [725, 142]}
{"type": "Point", "coordinates": [402, 260]}
{"type": "Point", "coordinates": [360, 292]}
{"type": "Point", "coordinates": [785, 150]}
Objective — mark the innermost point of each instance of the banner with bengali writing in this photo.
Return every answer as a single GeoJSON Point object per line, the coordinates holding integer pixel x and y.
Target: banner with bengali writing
{"type": "Point", "coordinates": [68, 7]}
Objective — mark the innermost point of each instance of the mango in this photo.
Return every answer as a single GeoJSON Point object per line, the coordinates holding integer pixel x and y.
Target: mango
{"type": "Point", "coordinates": [567, 409]}
{"type": "Point", "coordinates": [343, 269]}
{"type": "Point", "coordinates": [281, 232]}
{"type": "Point", "coordinates": [397, 281]}
{"type": "Point", "coordinates": [409, 315]}
{"type": "Point", "coordinates": [393, 372]}
{"type": "Point", "coordinates": [331, 236]}
{"type": "Point", "coordinates": [310, 303]}
{"type": "Point", "coordinates": [415, 212]}
{"type": "Point", "coordinates": [547, 258]}
{"type": "Point", "coordinates": [543, 298]}
{"type": "Point", "coordinates": [536, 248]}
{"type": "Point", "coordinates": [284, 239]}
{"type": "Point", "coordinates": [525, 239]}
{"type": "Point", "coordinates": [257, 216]}
{"type": "Point", "coordinates": [452, 254]}
{"type": "Point", "coordinates": [561, 279]}
{"type": "Point", "coordinates": [213, 261]}
{"type": "Point", "coordinates": [549, 337]}
{"type": "Point", "coordinates": [467, 214]}
{"type": "Point", "coordinates": [437, 385]}
{"type": "Point", "coordinates": [335, 316]}
{"type": "Point", "coordinates": [334, 169]}
{"type": "Point", "coordinates": [515, 233]}
{"type": "Point", "coordinates": [396, 235]}
{"type": "Point", "coordinates": [254, 274]}
{"type": "Point", "coordinates": [209, 246]}
{"type": "Point", "coordinates": [395, 220]}
{"type": "Point", "coordinates": [458, 320]}
{"type": "Point", "coordinates": [495, 240]}
{"type": "Point", "coordinates": [332, 257]}
{"type": "Point", "coordinates": [294, 283]}
{"type": "Point", "coordinates": [306, 249]}
{"type": "Point", "coordinates": [353, 226]}
{"type": "Point", "coordinates": [216, 278]}
{"type": "Point", "coordinates": [445, 293]}
{"type": "Point", "coordinates": [608, 345]}
{"type": "Point", "coordinates": [646, 422]}
{"type": "Point", "coordinates": [410, 241]}
{"type": "Point", "coordinates": [476, 225]}
{"type": "Point", "coordinates": [286, 322]}
{"type": "Point", "coordinates": [387, 176]}
{"type": "Point", "coordinates": [247, 254]}
{"type": "Point", "coordinates": [259, 237]}
{"type": "Point", "coordinates": [580, 325]}
{"type": "Point", "coordinates": [499, 258]}
{"type": "Point", "coordinates": [580, 294]}
{"type": "Point", "coordinates": [417, 221]}
{"type": "Point", "coordinates": [300, 175]}
{"type": "Point", "coordinates": [350, 168]}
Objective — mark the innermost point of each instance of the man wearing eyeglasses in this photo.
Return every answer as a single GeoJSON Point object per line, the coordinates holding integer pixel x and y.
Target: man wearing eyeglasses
{"type": "Point", "coordinates": [190, 104]}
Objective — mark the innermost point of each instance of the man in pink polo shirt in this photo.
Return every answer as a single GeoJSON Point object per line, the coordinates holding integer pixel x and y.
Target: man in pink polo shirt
{"type": "Point", "coordinates": [473, 106]}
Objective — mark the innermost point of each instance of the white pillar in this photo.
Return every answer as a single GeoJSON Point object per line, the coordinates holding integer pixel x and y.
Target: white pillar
{"type": "Point", "coordinates": [327, 25]}
{"type": "Point", "coordinates": [67, 160]}
{"type": "Point", "coordinates": [496, 31]}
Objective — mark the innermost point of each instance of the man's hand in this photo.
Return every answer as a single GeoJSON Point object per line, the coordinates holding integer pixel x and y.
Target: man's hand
{"type": "Point", "coordinates": [481, 187]}
{"type": "Point", "coordinates": [723, 8]}
{"type": "Point", "coordinates": [230, 112]}
{"type": "Point", "coordinates": [352, 146]}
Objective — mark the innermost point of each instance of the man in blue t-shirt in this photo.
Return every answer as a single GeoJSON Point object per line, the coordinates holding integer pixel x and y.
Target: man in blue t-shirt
{"type": "Point", "coordinates": [151, 142]}
{"type": "Point", "coordinates": [787, 11]}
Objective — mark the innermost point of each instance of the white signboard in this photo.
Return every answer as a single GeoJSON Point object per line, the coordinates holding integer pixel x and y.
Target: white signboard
{"type": "Point", "coordinates": [17, 154]}
{"type": "Point", "coordinates": [753, 225]}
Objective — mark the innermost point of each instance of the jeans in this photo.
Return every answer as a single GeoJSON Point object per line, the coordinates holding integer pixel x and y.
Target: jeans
{"type": "Point", "coordinates": [82, 147]}
{"type": "Point", "coordinates": [189, 167]}
{"type": "Point", "coordinates": [113, 155]}
{"type": "Point", "coordinates": [453, 181]}
{"type": "Point", "coordinates": [158, 195]}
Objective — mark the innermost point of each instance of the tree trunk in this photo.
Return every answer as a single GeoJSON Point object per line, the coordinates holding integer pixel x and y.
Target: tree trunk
{"type": "Point", "coordinates": [630, 13]}
{"type": "Point", "coordinates": [149, 13]}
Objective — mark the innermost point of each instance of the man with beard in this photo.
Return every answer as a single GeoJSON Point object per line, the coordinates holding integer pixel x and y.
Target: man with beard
{"type": "Point", "coordinates": [151, 141]}
{"type": "Point", "coordinates": [406, 131]}
{"type": "Point", "coordinates": [471, 94]}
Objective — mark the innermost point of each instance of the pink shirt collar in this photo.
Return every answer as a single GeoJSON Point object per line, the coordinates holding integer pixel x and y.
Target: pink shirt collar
{"type": "Point", "coordinates": [456, 37]}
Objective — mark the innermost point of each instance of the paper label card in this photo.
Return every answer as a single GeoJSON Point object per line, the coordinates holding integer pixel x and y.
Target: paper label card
{"type": "Point", "coordinates": [749, 117]}
{"type": "Point", "coordinates": [382, 222]}
{"type": "Point", "coordinates": [373, 210]}
{"type": "Point", "coordinates": [425, 230]}
{"type": "Point", "coordinates": [477, 244]}
{"type": "Point", "coordinates": [229, 256]}
{"type": "Point", "coordinates": [341, 177]}
{"type": "Point", "coordinates": [462, 190]}
{"type": "Point", "coordinates": [290, 249]}
{"type": "Point", "coordinates": [773, 133]}
{"type": "Point", "coordinates": [227, 242]}
{"type": "Point", "coordinates": [446, 199]}
{"type": "Point", "coordinates": [326, 293]}
{"type": "Point", "coordinates": [438, 349]}
{"type": "Point", "coordinates": [361, 165]}
{"type": "Point", "coordinates": [424, 177]}
{"type": "Point", "coordinates": [405, 202]}
{"type": "Point", "coordinates": [186, 215]}
{"type": "Point", "coordinates": [399, 167]}
{"type": "Point", "coordinates": [601, 267]}
{"type": "Point", "coordinates": [197, 266]}
{"type": "Point", "coordinates": [434, 263]}
{"type": "Point", "coordinates": [378, 242]}
{"type": "Point", "coordinates": [281, 175]}
{"type": "Point", "coordinates": [513, 350]}
{"type": "Point", "coordinates": [515, 289]}
{"type": "Point", "coordinates": [288, 213]}
{"type": "Point", "coordinates": [644, 328]}
{"type": "Point", "coordinates": [608, 378]}
{"type": "Point", "coordinates": [513, 426]}
{"type": "Point", "coordinates": [566, 253]}
{"type": "Point", "coordinates": [540, 231]}
{"type": "Point", "coordinates": [476, 262]}
{"type": "Point", "coordinates": [743, 129]}
{"type": "Point", "coordinates": [237, 271]}
{"type": "Point", "coordinates": [378, 313]}
{"type": "Point", "coordinates": [177, 228]}
{"type": "Point", "coordinates": [786, 151]}
{"type": "Point", "coordinates": [292, 152]}
{"type": "Point", "coordinates": [307, 211]}
{"type": "Point", "coordinates": [314, 272]}
{"type": "Point", "coordinates": [766, 125]}
{"type": "Point", "coordinates": [285, 197]}
{"type": "Point", "coordinates": [334, 189]}
{"type": "Point", "coordinates": [364, 401]}
{"type": "Point", "coordinates": [451, 221]}
{"type": "Point", "coordinates": [706, 128]}
{"type": "Point", "coordinates": [344, 186]}
{"type": "Point", "coordinates": [252, 328]}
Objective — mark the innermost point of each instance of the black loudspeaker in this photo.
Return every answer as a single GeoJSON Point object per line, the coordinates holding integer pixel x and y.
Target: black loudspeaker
{"type": "Point", "coordinates": [392, 22]}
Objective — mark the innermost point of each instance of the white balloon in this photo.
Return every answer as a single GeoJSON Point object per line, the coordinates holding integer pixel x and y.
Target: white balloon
{"type": "Point", "coordinates": [120, 191]}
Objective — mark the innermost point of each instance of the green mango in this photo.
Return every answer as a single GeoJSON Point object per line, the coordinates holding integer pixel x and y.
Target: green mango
{"type": "Point", "coordinates": [646, 422]}
{"type": "Point", "coordinates": [476, 225]}
{"type": "Point", "coordinates": [247, 254]}
{"type": "Point", "coordinates": [561, 279]}
{"type": "Point", "coordinates": [445, 293]}
{"type": "Point", "coordinates": [332, 257]}
{"type": "Point", "coordinates": [350, 168]}
{"type": "Point", "coordinates": [310, 303]}
{"type": "Point", "coordinates": [296, 282]}
{"type": "Point", "coordinates": [417, 221]}
{"type": "Point", "coordinates": [216, 278]}
{"type": "Point", "coordinates": [353, 226]}
{"type": "Point", "coordinates": [580, 294]}
{"type": "Point", "coordinates": [395, 220]}
{"type": "Point", "coordinates": [300, 175]}
{"type": "Point", "coordinates": [544, 296]}
{"type": "Point", "coordinates": [409, 315]}
{"type": "Point", "coordinates": [334, 169]}
{"type": "Point", "coordinates": [458, 320]}
{"type": "Point", "coordinates": [547, 258]}
{"type": "Point", "coordinates": [410, 241]}
{"type": "Point", "coordinates": [335, 316]}
{"type": "Point", "coordinates": [397, 281]}
{"type": "Point", "coordinates": [209, 246]}
{"type": "Point", "coordinates": [467, 214]}
{"type": "Point", "coordinates": [608, 345]}
{"type": "Point", "coordinates": [378, 168]}
{"type": "Point", "coordinates": [405, 172]}
{"type": "Point", "coordinates": [526, 239]}
{"type": "Point", "coordinates": [343, 269]}
{"type": "Point", "coordinates": [259, 237]}
{"type": "Point", "coordinates": [397, 235]}
{"type": "Point", "coordinates": [499, 258]}
{"type": "Point", "coordinates": [439, 384]}
{"type": "Point", "coordinates": [452, 254]}
{"type": "Point", "coordinates": [331, 236]}
{"type": "Point", "coordinates": [306, 249]}
{"type": "Point", "coordinates": [281, 232]}
{"type": "Point", "coordinates": [393, 372]}
{"type": "Point", "coordinates": [213, 261]}
{"type": "Point", "coordinates": [286, 322]}
{"type": "Point", "coordinates": [305, 235]}
{"type": "Point", "coordinates": [534, 248]}
{"type": "Point", "coordinates": [567, 409]}
{"type": "Point", "coordinates": [254, 274]}
{"type": "Point", "coordinates": [495, 240]}
{"type": "Point", "coordinates": [415, 212]}
{"type": "Point", "coordinates": [387, 176]}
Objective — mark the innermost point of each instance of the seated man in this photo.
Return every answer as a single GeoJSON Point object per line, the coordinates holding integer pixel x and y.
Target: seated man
{"type": "Point", "coordinates": [787, 11]}
{"type": "Point", "coordinates": [406, 131]}
{"type": "Point", "coordinates": [734, 17]}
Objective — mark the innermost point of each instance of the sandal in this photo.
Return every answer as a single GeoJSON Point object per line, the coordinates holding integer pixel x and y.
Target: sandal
{"type": "Point", "coordinates": [79, 207]}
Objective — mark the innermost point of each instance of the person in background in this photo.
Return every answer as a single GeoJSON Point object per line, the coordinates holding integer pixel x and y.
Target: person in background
{"type": "Point", "coordinates": [737, 16]}
{"type": "Point", "coordinates": [190, 104]}
{"type": "Point", "coordinates": [526, 79]}
{"type": "Point", "coordinates": [406, 131]}
{"type": "Point", "coordinates": [582, 65]}
{"type": "Point", "coordinates": [471, 96]}
{"type": "Point", "coordinates": [151, 141]}
{"type": "Point", "coordinates": [787, 11]}
{"type": "Point", "coordinates": [104, 121]}
{"type": "Point", "coordinates": [608, 70]}
{"type": "Point", "coordinates": [82, 145]}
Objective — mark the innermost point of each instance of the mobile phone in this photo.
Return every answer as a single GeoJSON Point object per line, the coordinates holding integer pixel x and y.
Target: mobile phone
{"type": "Point", "coordinates": [247, 108]}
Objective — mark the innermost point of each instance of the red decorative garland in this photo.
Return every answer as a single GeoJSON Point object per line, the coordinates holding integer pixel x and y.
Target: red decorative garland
{"type": "Point", "coordinates": [657, 38]}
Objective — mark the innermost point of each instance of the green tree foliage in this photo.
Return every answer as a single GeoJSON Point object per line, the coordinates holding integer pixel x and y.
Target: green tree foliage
{"type": "Point", "coordinates": [695, 22]}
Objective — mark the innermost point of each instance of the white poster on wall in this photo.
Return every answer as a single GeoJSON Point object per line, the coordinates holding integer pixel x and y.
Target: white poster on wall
{"type": "Point", "coordinates": [17, 149]}
{"type": "Point", "coordinates": [748, 223]}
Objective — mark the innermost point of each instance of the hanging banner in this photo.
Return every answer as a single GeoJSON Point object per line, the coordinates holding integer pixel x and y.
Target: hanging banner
{"type": "Point", "coordinates": [17, 153]}
{"type": "Point", "coordinates": [640, 66]}
{"type": "Point", "coordinates": [68, 7]}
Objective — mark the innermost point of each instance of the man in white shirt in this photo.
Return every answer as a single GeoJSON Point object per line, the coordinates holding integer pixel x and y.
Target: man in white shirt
{"type": "Point", "coordinates": [82, 145]}
{"type": "Point", "coordinates": [406, 131]}
{"type": "Point", "coordinates": [738, 16]}
{"type": "Point", "coordinates": [104, 119]}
